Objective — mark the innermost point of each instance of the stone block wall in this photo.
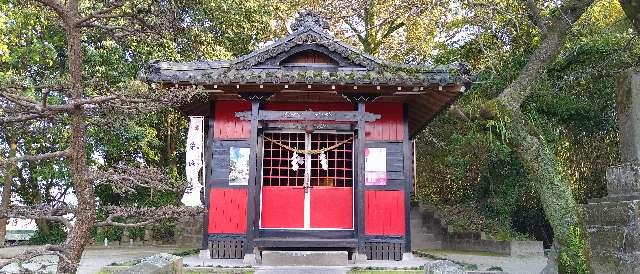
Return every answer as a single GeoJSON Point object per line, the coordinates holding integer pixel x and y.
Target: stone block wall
{"type": "Point", "coordinates": [188, 232]}
{"type": "Point", "coordinates": [613, 222]}
{"type": "Point", "coordinates": [614, 236]}
{"type": "Point", "coordinates": [624, 179]}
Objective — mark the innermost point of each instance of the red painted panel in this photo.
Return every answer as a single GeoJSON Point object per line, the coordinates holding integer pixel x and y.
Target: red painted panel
{"type": "Point", "coordinates": [384, 212]}
{"type": "Point", "coordinates": [332, 207]}
{"type": "Point", "coordinates": [228, 210]}
{"type": "Point", "coordinates": [282, 207]}
{"type": "Point", "coordinates": [226, 125]}
{"type": "Point", "coordinates": [286, 106]}
{"type": "Point", "coordinates": [390, 126]}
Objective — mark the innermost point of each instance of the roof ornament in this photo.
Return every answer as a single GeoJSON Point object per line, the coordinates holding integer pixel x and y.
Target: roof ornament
{"type": "Point", "coordinates": [309, 20]}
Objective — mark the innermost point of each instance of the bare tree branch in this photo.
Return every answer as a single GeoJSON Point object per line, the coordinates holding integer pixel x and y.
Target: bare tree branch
{"type": "Point", "coordinates": [632, 10]}
{"type": "Point", "coordinates": [33, 253]}
{"type": "Point", "coordinates": [146, 216]}
{"type": "Point", "coordinates": [20, 118]}
{"type": "Point", "coordinates": [553, 39]}
{"type": "Point", "coordinates": [45, 212]}
{"type": "Point", "coordinates": [35, 158]}
{"type": "Point", "coordinates": [126, 179]}
{"type": "Point", "coordinates": [100, 13]}
{"type": "Point", "coordinates": [56, 6]}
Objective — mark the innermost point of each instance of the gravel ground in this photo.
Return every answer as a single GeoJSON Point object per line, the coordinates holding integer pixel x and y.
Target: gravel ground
{"type": "Point", "coordinates": [512, 265]}
{"type": "Point", "coordinates": [94, 258]}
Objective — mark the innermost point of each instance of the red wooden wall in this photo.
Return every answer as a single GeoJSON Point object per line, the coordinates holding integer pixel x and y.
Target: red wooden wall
{"type": "Point", "coordinates": [384, 212]}
{"type": "Point", "coordinates": [390, 126]}
{"type": "Point", "coordinates": [227, 125]}
{"type": "Point", "coordinates": [228, 210]}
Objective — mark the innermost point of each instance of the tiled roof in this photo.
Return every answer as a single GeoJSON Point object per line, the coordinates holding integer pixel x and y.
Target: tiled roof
{"type": "Point", "coordinates": [307, 30]}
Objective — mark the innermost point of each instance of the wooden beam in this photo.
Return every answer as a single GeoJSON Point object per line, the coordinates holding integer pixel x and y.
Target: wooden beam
{"type": "Point", "coordinates": [305, 126]}
{"type": "Point", "coordinates": [338, 116]}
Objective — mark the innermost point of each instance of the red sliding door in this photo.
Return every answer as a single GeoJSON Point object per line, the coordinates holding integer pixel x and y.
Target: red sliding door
{"type": "Point", "coordinates": [331, 207]}
{"type": "Point", "coordinates": [282, 207]}
{"type": "Point", "coordinates": [318, 194]}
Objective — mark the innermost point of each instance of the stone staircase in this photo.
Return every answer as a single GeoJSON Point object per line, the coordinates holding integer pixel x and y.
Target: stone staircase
{"type": "Point", "coordinates": [428, 231]}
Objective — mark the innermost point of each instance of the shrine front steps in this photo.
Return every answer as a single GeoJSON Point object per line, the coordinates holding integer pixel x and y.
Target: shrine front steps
{"type": "Point", "coordinates": [305, 258]}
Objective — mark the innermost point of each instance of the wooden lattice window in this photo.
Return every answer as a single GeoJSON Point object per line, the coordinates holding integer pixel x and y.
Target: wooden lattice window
{"type": "Point", "coordinates": [276, 163]}
{"type": "Point", "coordinates": [340, 159]}
{"type": "Point", "coordinates": [276, 170]}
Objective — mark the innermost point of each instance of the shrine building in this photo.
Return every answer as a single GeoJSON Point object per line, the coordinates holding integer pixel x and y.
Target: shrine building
{"type": "Point", "coordinates": [308, 143]}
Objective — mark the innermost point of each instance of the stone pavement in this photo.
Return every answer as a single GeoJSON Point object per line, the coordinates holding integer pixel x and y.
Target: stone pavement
{"type": "Point", "coordinates": [509, 264]}
{"type": "Point", "coordinates": [94, 258]}
{"type": "Point", "coordinates": [302, 269]}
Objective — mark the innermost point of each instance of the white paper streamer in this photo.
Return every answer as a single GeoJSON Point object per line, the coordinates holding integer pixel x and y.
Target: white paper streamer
{"type": "Point", "coordinates": [323, 161]}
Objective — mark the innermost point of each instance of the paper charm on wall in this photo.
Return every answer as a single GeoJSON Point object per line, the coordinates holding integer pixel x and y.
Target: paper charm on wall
{"type": "Point", "coordinates": [375, 166]}
{"type": "Point", "coordinates": [239, 165]}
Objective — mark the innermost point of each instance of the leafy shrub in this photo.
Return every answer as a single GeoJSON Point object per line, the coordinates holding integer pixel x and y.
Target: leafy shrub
{"type": "Point", "coordinates": [574, 257]}
{"type": "Point", "coordinates": [56, 236]}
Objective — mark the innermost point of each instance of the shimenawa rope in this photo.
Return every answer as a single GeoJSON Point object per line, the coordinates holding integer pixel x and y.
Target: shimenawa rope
{"type": "Point", "coordinates": [310, 151]}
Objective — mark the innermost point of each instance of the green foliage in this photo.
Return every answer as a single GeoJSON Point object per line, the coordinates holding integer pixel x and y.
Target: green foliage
{"type": "Point", "coordinates": [469, 163]}
{"type": "Point", "coordinates": [56, 235]}
{"type": "Point", "coordinates": [185, 253]}
{"type": "Point", "coordinates": [574, 259]}
{"type": "Point", "coordinates": [110, 233]}
{"type": "Point", "coordinates": [33, 50]}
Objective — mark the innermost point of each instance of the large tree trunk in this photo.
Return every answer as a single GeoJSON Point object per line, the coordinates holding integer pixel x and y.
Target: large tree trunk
{"type": "Point", "coordinates": [80, 234]}
{"type": "Point", "coordinates": [6, 188]}
{"type": "Point", "coordinates": [172, 129]}
{"type": "Point", "coordinates": [555, 194]}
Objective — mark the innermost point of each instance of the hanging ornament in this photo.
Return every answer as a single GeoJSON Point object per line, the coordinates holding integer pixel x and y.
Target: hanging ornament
{"type": "Point", "coordinates": [323, 161]}
{"type": "Point", "coordinates": [294, 162]}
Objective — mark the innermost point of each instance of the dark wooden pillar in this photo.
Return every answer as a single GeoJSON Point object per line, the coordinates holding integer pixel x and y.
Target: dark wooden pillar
{"type": "Point", "coordinates": [359, 174]}
{"type": "Point", "coordinates": [208, 155]}
{"type": "Point", "coordinates": [254, 180]}
{"type": "Point", "coordinates": [407, 150]}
